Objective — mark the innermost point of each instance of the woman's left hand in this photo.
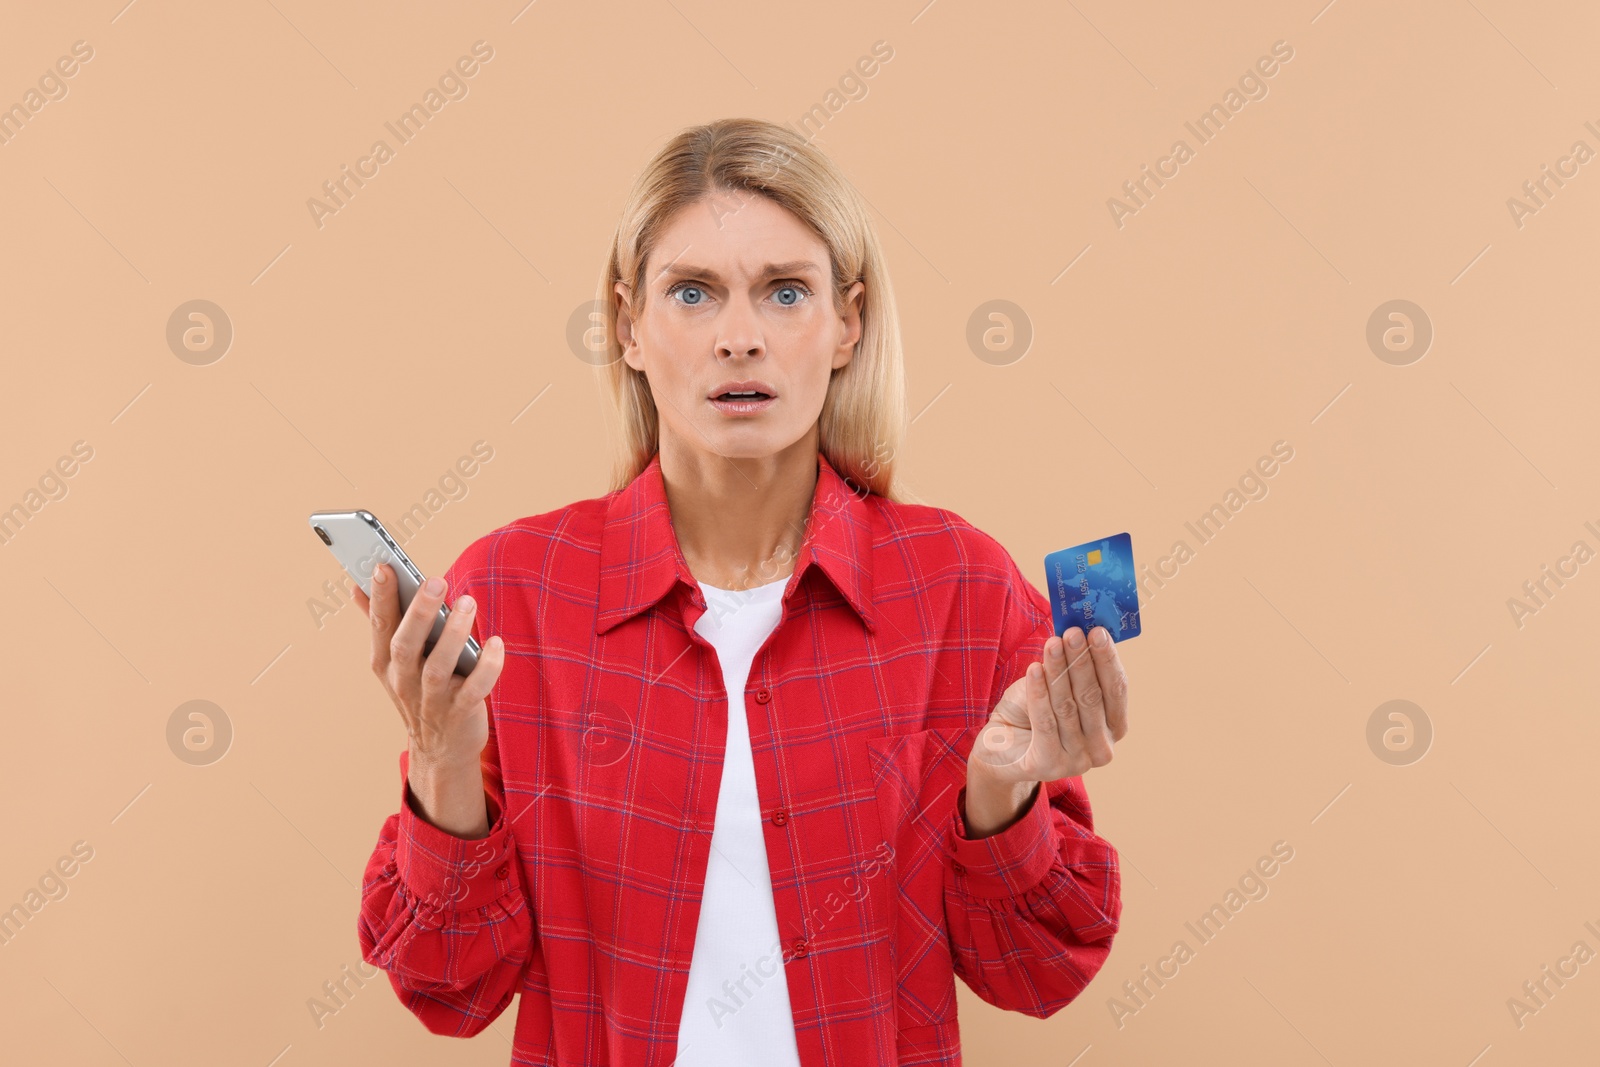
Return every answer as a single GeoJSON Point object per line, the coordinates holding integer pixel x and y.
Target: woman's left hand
{"type": "Point", "coordinates": [1059, 719]}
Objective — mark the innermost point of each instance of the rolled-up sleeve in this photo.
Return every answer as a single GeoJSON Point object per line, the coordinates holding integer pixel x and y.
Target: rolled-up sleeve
{"type": "Point", "coordinates": [1032, 910]}
{"type": "Point", "coordinates": [442, 869]}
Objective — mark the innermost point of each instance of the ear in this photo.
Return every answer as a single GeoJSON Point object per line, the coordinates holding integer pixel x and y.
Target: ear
{"type": "Point", "coordinates": [850, 319]}
{"type": "Point", "coordinates": [625, 327]}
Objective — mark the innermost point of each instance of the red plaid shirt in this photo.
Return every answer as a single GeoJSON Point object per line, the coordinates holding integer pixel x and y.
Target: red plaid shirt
{"type": "Point", "coordinates": [902, 626]}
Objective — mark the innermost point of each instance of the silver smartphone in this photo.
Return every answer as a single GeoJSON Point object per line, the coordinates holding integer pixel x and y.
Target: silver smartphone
{"type": "Point", "coordinates": [359, 542]}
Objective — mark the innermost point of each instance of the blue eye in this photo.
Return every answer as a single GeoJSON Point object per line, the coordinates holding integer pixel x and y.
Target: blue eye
{"type": "Point", "coordinates": [799, 291]}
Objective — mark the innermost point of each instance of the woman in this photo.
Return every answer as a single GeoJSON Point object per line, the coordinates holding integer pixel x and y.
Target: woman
{"type": "Point", "coordinates": [797, 874]}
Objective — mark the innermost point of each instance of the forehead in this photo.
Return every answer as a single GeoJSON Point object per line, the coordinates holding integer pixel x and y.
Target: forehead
{"type": "Point", "coordinates": [737, 236]}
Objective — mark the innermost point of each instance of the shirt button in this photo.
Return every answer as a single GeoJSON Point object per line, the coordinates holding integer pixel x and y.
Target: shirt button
{"type": "Point", "coordinates": [958, 868]}
{"type": "Point", "coordinates": [780, 817]}
{"type": "Point", "coordinates": [762, 696]}
{"type": "Point", "coordinates": [800, 948]}
{"type": "Point", "coordinates": [502, 871]}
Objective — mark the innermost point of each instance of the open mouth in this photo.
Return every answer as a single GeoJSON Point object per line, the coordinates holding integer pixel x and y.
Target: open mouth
{"type": "Point", "coordinates": [742, 402]}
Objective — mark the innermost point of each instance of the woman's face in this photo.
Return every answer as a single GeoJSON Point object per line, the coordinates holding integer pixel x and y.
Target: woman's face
{"type": "Point", "coordinates": [740, 291]}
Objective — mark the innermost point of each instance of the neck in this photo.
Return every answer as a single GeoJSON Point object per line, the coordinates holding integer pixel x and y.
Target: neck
{"type": "Point", "coordinates": [740, 522]}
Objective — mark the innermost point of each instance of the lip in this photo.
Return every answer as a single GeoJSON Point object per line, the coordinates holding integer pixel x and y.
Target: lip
{"type": "Point", "coordinates": [742, 407]}
{"type": "Point", "coordinates": [743, 386]}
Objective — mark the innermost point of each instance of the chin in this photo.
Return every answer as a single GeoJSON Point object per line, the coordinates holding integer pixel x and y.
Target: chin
{"type": "Point", "coordinates": [747, 445]}
{"type": "Point", "coordinates": [750, 441]}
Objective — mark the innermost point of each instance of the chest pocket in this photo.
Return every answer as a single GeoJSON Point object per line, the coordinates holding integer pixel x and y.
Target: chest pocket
{"type": "Point", "coordinates": [917, 777]}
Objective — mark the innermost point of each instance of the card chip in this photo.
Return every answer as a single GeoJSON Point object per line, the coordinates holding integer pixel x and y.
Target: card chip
{"type": "Point", "coordinates": [1094, 556]}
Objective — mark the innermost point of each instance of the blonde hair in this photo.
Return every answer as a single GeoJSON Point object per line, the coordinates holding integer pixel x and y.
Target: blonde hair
{"type": "Point", "coordinates": [863, 422]}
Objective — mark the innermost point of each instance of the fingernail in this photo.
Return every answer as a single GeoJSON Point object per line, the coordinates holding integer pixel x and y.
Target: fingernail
{"type": "Point", "coordinates": [1075, 637]}
{"type": "Point", "coordinates": [1055, 649]}
{"type": "Point", "coordinates": [377, 575]}
{"type": "Point", "coordinates": [1099, 637]}
{"type": "Point", "coordinates": [465, 603]}
{"type": "Point", "coordinates": [435, 587]}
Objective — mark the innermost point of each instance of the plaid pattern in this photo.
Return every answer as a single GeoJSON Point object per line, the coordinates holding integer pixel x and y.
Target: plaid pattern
{"type": "Point", "coordinates": [902, 626]}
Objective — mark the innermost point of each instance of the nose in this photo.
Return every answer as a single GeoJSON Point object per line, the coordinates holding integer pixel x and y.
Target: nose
{"type": "Point", "coordinates": [739, 332]}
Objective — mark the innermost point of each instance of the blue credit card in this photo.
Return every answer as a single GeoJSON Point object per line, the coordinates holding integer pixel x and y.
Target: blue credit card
{"type": "Point", "coordinates": [1094, 584]}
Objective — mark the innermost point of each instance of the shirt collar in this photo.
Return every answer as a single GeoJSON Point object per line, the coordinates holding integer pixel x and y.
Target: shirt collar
{"type": "Point", "coordinates": [640, 560]}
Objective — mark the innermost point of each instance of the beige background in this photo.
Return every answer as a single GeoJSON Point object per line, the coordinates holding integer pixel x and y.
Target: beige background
{"type": "Point", "coordinates": [1229, 313]}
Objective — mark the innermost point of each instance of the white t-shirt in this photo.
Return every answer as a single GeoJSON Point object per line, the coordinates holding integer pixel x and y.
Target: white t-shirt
{"type": "Point", "coordinates": [736, 1010]}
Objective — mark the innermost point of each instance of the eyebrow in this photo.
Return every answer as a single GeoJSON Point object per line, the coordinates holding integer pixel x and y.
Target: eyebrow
{"type": "Point", "coordinates": [772, 270]}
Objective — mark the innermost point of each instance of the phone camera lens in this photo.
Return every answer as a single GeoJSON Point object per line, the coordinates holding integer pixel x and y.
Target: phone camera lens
{"type": "Point", "coordinates": [323, 534]}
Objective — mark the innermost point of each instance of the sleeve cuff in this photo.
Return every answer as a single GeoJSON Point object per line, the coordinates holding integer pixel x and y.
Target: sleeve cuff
{"type": "Point", "coordinates": [453, 873]}
{"type": "Point", "coordinates": [1009, 863]}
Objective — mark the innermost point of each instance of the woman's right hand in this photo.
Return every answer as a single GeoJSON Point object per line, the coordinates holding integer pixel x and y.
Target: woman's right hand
{"type": "Point", "coordinates": [446, 715]}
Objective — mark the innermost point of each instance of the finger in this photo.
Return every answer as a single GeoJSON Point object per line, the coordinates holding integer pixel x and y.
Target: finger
{"type": "Point", "coordinates": [440, 667]}
{"type": "Point", "coordinates": [1090, 695]}
{"type": "Point", "coordinates": [410, 640]}
{"type": "Point", "coordinates": [485, 672]}
{"type": "Point", "coordinates": [384, 613]}
{"type": "Point", "coordinates": [412, 633]}
{"type": "Point", "coordinates": [1054, 751]}
{"type": "Point", "coordinates": [1055, 672]}
{"type": "Point", "coordinates": [361, 600]}
{"type": "Point", "coordinates": [1114, 686]}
